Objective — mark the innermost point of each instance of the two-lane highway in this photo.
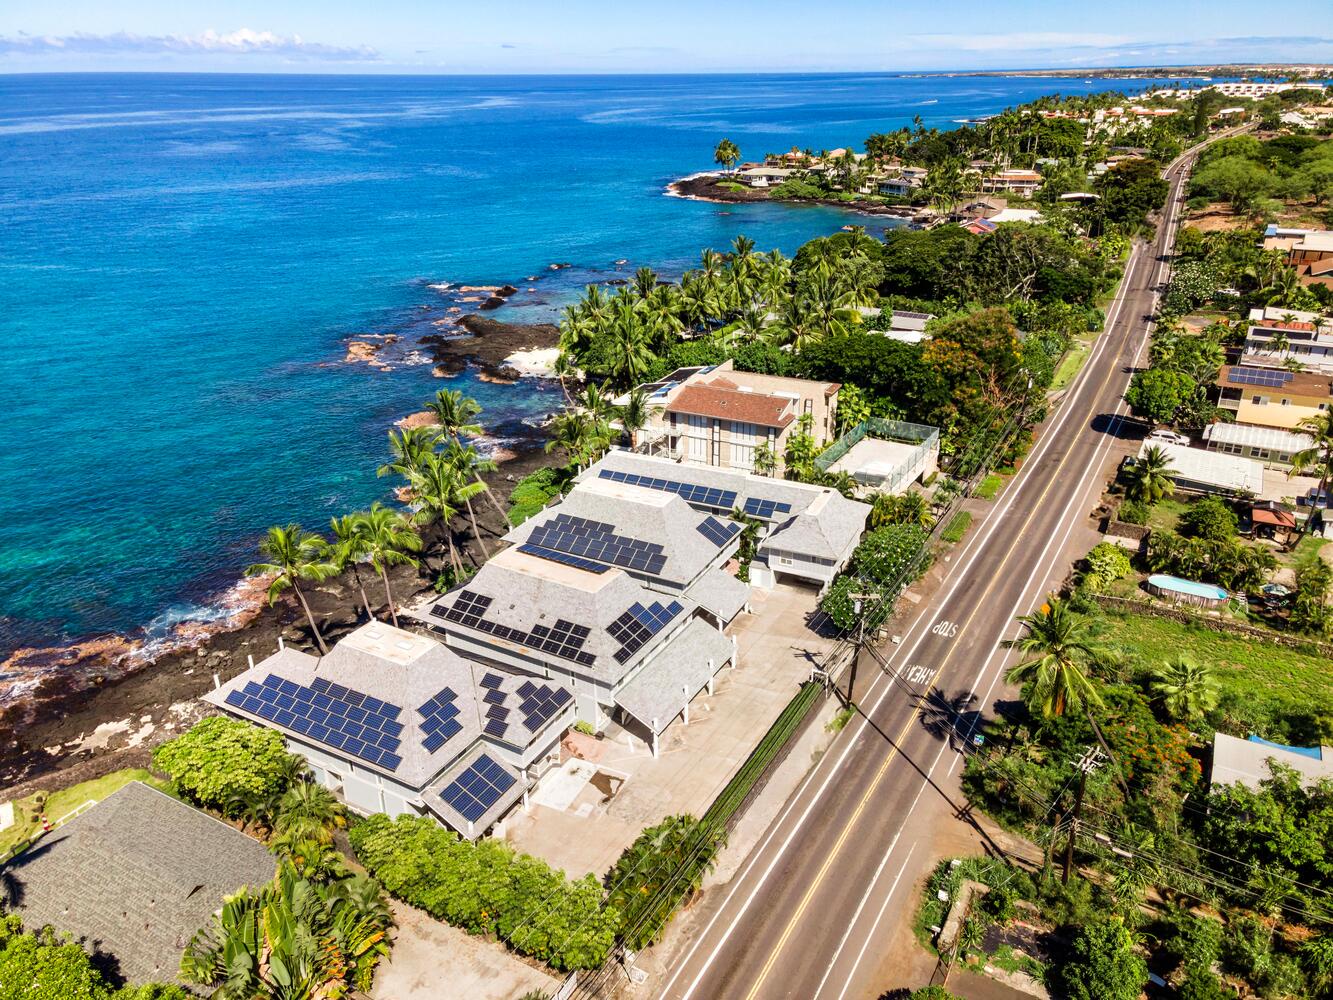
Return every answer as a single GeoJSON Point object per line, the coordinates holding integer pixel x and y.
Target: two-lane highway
{"type": "Point", "coordinates": [807, 915]}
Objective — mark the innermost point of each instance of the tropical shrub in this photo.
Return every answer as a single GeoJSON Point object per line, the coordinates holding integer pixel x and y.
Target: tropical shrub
{"type": "Point", "coordinates": [221, 760]}
{"type": "Point", "coordinates": [1211, 518]}
{"type": "Point", "coordinates": [1106, 563]}
{"type": "Point", "coordinates": [1101, 964]}
{"type": "Point", "coordinates": [644, 884]}
{"type": "Point", "coordinates": [488, 888]}
{"type": "Point", "coordinates": [1156, 394]}
{"type": "Point", "coordinates": [45, 966]}
{"type": "Point", "coordinates": [533, 492]}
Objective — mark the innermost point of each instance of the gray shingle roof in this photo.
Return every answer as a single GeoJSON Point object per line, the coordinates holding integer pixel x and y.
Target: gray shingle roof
{"type": "Point", "coordinates": [526, 593]}
{"type": "Point", "coordinates": [650, 515]}
{"type": "Point", "coordinates": [405, 670]}
{"type": "Point", "coordinates": [473, 828]}
{"type": "Point", "coordinates": [720, 592]}
{"type": "Point", "coordinates": [135, 877]}
{"type": "Point", "coordinates": [829, 528]}
{"type": "Point", "coordinates": [658, 692]}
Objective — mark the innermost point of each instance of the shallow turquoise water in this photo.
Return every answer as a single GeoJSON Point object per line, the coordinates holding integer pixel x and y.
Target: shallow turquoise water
{"type": "Point", "coordinates": [182, 257]}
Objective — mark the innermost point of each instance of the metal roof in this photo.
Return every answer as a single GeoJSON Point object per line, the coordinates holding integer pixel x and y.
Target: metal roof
{"type": "Point", "coordinates": [1252, 436]}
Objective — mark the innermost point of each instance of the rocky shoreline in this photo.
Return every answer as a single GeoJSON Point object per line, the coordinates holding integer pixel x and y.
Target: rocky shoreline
{"type": "Point", "coordinates": [105, 707]}
{"type": "Point", "coordinates": [487, 343]}
{"type": "Point", "coordinates": [710, 187]}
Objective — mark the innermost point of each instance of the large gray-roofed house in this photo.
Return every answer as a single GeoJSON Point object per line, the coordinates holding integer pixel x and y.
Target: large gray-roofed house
{"type": "Point", "coordinates": [655, 537]}
{"type": "Point", "coordinates": [811, 530]}
{"type": "Point", "coordinates": [387, 713]}
{"type": "Point", "coordinates": [1248, 762]}
{"type": "Point", "coordinates": [134, 878]}
{"type": "Point", "coordinates": [593, 629]}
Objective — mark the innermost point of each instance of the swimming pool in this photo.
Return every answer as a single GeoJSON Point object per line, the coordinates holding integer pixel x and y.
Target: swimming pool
{"type": "Point", "coordinates": [1173, 588]}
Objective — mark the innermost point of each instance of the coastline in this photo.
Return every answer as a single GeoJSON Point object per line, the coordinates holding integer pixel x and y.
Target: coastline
{"type": "Point", "coordinates": [705, 186]}
{"type": "Point", "coordinates": [87, 703]}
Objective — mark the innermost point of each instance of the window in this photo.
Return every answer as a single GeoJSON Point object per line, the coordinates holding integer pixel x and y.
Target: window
{"type": "Point", "coordinates": [744, 437]}
{"type": "Point", "coordinates": [1258, 400]}
{"type": "Point", "coordinates": [697, 432]}
{"type": "Point", "coordinates": [1286, 402]}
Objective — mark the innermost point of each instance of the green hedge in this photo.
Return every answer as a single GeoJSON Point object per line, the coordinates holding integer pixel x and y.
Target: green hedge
{"type": "Point", "coordinates": [47, 966]}
{"type": "Point", "coordinates": [220, 760]}
{"type": "Point", "coordinates": [488, 888]}
{"type": "Point", "coordinates": [533, 492]}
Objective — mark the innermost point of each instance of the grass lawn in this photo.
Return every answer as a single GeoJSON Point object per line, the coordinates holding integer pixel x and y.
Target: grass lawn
{"type": "Point", "coordinates": [988, 487]}
{"type": "Point", "coordinates": [957, 528]}
{"type": "Point", "coordinates": [732, 186]}
{"type": "Point", "coordinates": [1165, 515]}
{"type": "Point", "coordinates": [27, 818]}
{"type": "Point", "coordinates": [1245, 667]}
{"type": "Point", "coordinates": [1069, 366]}
{"type": "Point", "coordinates": [1307, 548]}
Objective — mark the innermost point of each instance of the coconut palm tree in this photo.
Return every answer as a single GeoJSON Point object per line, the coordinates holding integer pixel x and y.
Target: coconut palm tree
{"type": "Point", "coordinates": [629, 344]}
{"type": "Point", "coordinates": [575, 434]}
{"type": "Point", "coordinates": [389, 540]}
{"type": "Point", "coordinates": [307, 811]}
{"type": "Point", "coordinates": [294, 554]}
{"type": "Point", "coordinates": [636, 414]}
{"type": "Point", "coordinates": [1318, 458]}
{"type": "Point", "coordinates": [457, 415]}
{"type": "Point", "coordinates": [349, 550]}
{"type": "Point", "coordinates": [440, 490]}
{"type": "Point", "coordinates": [727, 154]}
{"type": "Point", "coordinates": [1149, 478]}
{"type": "Point", "coordinates": [1188, 690]}
{"type": "Point", "coordinates": [409, 447]}
{"type": "Point", "coordinates": [470, 465]}
{"type": "Point", "coordinates": [1061, 650]}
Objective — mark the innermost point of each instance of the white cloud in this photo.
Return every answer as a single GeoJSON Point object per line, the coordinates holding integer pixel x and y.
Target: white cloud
{"type": "Point", "coordinates": [1012, 41]}
{"type": "Point", "coordinates": [244, 41]}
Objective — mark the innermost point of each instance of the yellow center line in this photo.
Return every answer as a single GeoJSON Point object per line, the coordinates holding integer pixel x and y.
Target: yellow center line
{"type": "Point", "coordinates": [883, 769]}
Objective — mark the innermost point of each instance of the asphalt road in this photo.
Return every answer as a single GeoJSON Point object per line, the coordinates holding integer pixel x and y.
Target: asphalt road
{"type": "Point", "coordinates": [809, 913]}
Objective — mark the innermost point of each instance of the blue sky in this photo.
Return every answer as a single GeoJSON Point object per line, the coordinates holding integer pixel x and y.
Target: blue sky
{"type": "Point", "coordinates": [536, 36]}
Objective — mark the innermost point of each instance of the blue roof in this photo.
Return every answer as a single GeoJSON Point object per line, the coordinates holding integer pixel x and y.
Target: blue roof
{"type": "Point", "coordinates": [1314, 753]}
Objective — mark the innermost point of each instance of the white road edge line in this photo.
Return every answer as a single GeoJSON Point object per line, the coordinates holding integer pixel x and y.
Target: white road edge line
{"type": "Point", "coordinates": [856, 964]}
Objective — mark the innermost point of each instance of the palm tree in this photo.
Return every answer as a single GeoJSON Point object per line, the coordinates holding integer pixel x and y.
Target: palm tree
{"type": "Point", "coordinates": [629, 344]}
{"type": "Point", "coordinates": [727, 154]}
{"type": "Point", "coordinates": [410, 447]}
{"type": "Point", "coordinates": [575, 434]}
{"type": "Point", "coordinates": [294, 554]}
{"type": "Point", "coordinates": [1061, 649]}
{"type": "Point", "coordinates": [1318, 458]}
{"type": "Point", "coordinates": [1188, 689]}
{"type": "Point", "coordinates": [389, 540]}
{"type": "Point", "coordinates": [439, 491]}
{"type": "Point", "coordinates": [348, 550]}
{"type": "Point", "coordinates": [308, 811]}
{"type": "Point", "coordinates": [457, 415]}
{"type": "Point", "coordinates": [636, 414]}
{"type": "Point", "coordinates": [1149, 478]}
{"type": "Point", "coordinates": [470, 465]}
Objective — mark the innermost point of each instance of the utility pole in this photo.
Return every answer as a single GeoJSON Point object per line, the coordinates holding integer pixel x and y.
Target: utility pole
{"type": "Point", "coordinates": [859, 604]}
{"type": "Point", "coordinates": [1091, 760]}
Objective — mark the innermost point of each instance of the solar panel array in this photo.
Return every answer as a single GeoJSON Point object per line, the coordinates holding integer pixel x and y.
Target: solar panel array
{"type": "Point", "coordinates": [718, 532]}
{"type": "Point", "coordinates": [478, 788]}
{"type": "Point", "coordinates": [705, 496]}
{"type": "Point", "coordinates": [439, 720]}
{"type": "Point", "coordinates": [756, 507]}
{"type": "Point", "coordinates": [1273, 378]}
{"type": "Point", "coordinates": [540, 703]}
{"type": "Point", "coordinates": [351, 721]}
{"type": "Point", "coordinates": [563, 639]}
{"type": "Point", "coordinates": [639, 624]}
{"type": "Point", "coordinates": [578, 562]}
{"type": "Point", "coordinates": [598, 541]}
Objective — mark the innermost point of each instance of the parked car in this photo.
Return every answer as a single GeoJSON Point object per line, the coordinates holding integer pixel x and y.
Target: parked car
{"type": "Point", "coordinates": [1164, 436]}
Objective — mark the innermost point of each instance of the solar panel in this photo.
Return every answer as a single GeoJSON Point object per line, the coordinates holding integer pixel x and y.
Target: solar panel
{"type": "Point", "coordinates": [585, 539]}
{"type": "Point", "coordinates": [691, 493]}
{"type": "Point", "coordinates": [327, 713]}
{"type": "Point", "coordinates": [758, 507]}
{"type": "Point", "coordinates": [563, 639]}
{"type": "Point", "coordinates": [554, 555]}
{"type": "Point", "coordinates": [438, 720]}
{"type": "Point", "coordinates": [478, 788]}
{"type": "Point", "coordinates": [1272, 378]}
{"type": "Point", "coordinates": [639, 624]}
{"type": "Point", "coordinates": [718, 532]}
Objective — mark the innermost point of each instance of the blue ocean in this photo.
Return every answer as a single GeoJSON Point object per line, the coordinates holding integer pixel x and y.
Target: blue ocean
{"type": "Point", "coordinates": [183, 257]}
